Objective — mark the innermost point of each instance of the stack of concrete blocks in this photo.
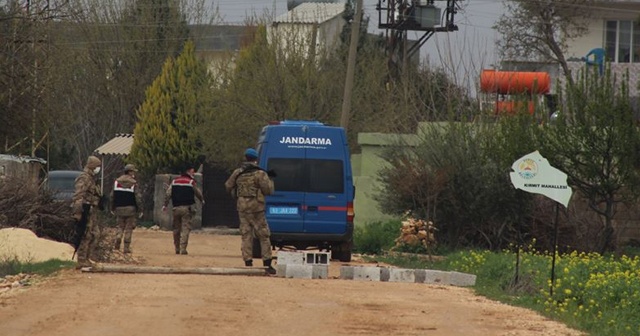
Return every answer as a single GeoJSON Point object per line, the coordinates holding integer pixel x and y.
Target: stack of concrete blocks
{"type": "Point", "coordinates": [303, 264]}
{"type": "Point", "coordinates": [375, 273]}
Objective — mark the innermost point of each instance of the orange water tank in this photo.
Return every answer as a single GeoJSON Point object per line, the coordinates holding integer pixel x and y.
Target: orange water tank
{"type": "Point", "coordinates": [514, 82]}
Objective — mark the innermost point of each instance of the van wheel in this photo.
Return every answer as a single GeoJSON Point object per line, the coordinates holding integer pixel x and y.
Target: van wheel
{"type": "Point", "coordinates": [256, 249]}
{"type": "Point", "coordinates": [341, 252]}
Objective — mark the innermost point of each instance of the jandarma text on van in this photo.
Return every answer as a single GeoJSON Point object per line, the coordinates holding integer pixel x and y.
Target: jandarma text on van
{"type": "Point", "coordinates": [305, 141]}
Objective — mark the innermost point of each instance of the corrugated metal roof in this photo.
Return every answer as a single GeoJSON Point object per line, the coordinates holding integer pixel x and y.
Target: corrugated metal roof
{"type": "Point", "coordinates": [119, 145]}
{"type": "Point", "coordinates": [311, 12]}
{"type": "Point", "coordinates": [22, 159]}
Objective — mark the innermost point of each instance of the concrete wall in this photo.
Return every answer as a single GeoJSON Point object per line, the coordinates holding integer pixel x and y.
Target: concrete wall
{"type": "Point", "coordinates": [366, 166]}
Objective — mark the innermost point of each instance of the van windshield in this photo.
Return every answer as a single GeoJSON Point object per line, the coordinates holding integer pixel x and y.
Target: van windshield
{"type": "Point", "coordinates": [308, 175]}
{"type": "Point", "coordinates": [62, 183]}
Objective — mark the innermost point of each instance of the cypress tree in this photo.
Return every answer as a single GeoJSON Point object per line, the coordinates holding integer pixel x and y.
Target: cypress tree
{"type": "Point", "coordinates": [165, 139]}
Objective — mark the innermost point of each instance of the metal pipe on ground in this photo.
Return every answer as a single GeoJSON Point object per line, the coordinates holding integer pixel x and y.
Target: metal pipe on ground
{"type": "Point", "coordinates": [174, 270]}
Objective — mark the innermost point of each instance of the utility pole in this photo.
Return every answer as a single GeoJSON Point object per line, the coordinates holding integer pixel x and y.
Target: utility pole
{"type": "Point", "coordinates": [351, 65]}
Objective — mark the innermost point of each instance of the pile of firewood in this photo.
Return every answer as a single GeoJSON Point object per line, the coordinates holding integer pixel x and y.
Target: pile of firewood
{"type": "Point", "coordinates": [416, 232]}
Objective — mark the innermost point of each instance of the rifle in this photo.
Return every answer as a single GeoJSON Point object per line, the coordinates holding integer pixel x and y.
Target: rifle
{"type": "Point", "coordinates": [81, 228]}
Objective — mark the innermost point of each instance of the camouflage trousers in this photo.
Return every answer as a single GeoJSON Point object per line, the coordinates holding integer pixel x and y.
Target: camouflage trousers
{"type": "Point", "coordinates": [254, 224]}
{"type": "Point", "coordinates": [182, 216]}
{"type": "Point", "coordinates": [90, 239]}
{"type": "Point", "coordinates": [126, 222]}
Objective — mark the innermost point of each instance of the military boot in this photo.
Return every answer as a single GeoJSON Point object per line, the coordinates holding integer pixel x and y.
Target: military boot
{"type": "Point", "coordinates": [267, 264]}
{"type": "Point", "coordinates": [248, 263]}
{"type": "Point", "coordinates": [127, 248]}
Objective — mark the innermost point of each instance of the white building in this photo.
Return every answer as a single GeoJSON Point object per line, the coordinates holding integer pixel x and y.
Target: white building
{"type": "Point", "coordinates": [309, 28]}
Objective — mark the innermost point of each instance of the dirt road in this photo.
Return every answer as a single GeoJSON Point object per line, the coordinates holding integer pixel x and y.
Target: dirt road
{"type": "Point", "coordinates": [76, 303]}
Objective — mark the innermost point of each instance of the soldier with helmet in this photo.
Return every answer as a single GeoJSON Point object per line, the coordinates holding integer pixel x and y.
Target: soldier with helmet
{"type": "Point", "coordinates": [86, 199]}
{"type": "Point", "coordinates": [249, 184]}
{"type": "Point", "coordinates": [126, 203]}
{"type": "Point", "coordinates": [182, 193]}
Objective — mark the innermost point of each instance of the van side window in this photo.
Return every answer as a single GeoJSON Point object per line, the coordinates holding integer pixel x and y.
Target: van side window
{"type": "Point", "coordinates": [312, 175]}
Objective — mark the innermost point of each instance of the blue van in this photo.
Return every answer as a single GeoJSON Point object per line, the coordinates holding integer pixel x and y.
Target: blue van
{"type": "Point", "coordinates": [62, 184]}
{"type": "Point", "coordinates": [312, 206]}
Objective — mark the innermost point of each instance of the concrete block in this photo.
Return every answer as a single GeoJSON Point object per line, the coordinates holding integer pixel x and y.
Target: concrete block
{"type": "Point", "coordinates": [366, 273]}
{"type": "Point", "coordinates": [299, 271]}
{"type": "Point", "coordinates": [420, 275]}
{"type": "Point", "coordinates": [346, 272]}
{"type": "Point", "coordinates": [321, 258]}
{"type": "Point", "coordinates": [290, 257]}
{"type": "Point", "coordinates": [401, 275]}
{"type": "Point", "coordinates": [462, 279]}
{"type": "Point", "coordinates": [320, 271]}
{"type": "Point", "coordinates": [436, 277]}
{"type": "Point", "coordinates": [281, 270]}
{"type": "Point", "coordinates": [384, 274]}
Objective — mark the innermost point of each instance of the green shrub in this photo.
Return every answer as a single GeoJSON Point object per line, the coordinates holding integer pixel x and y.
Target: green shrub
{"type": "Point", "coordinates": [12, 266]}
{"type": "Point", "coordinates": [376, 237]}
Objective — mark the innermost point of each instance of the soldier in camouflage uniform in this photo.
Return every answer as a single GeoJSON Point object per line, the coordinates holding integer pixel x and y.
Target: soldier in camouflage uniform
{"type": "Point", "coordinates": [181, 193]}
{"type": "Point", "coordinates": [87, 192]}
{"type": "Point", "coordinates": [250, 184]}
{"type": "Point", "coordinates": [126, 203]}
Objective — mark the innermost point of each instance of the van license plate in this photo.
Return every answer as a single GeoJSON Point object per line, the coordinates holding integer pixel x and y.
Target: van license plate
{"type": "Point", "coordinates": [283, 210]}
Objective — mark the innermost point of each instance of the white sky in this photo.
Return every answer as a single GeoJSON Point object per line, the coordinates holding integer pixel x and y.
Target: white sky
{"type": "Point", "coordinates": [463, 53]}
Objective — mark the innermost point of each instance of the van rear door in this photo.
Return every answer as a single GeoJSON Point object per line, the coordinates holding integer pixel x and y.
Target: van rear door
{"type": "Point", "coordinates": [284, 209]}
{"type": "Point", "coordinates": [325, 200]}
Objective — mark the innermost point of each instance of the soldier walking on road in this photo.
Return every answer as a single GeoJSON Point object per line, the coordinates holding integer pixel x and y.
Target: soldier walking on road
{"type": "Point", "coordinates": [86, 199]}
{"type": "Point", "coordinates": [182, 193]}
{"type": "Point", "coordinates": [126, 203]}
{"type": "Point", "coordinates": [250, 184]}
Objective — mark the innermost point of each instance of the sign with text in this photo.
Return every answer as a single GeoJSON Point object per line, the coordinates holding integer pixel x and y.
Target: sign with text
{"type": "Point", "coordinates": [533, 173]}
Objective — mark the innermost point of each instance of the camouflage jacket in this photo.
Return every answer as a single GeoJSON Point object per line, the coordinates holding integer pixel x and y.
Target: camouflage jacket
{"type": "Point", "coordinates": [250, 187]}
{"type": "Point", "coordinates": [87, 191]}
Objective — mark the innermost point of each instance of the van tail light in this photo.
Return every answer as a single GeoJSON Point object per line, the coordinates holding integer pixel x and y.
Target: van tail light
{"type": "Point", "coordinates": [350, 213]}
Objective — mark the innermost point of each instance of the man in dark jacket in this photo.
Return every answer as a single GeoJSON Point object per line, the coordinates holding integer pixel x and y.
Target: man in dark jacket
{"type": "Point", "coordinates": [126, 203]}
{"type": "Point", "coordinates": [182, 193]}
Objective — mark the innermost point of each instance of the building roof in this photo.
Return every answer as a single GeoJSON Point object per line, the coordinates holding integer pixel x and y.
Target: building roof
{"type": "Point", "coordinates": [119, 145]}
{"type": "Point", "coordinates": [311, 12]}
{"type": "Point", "coordinates": [21, 158]}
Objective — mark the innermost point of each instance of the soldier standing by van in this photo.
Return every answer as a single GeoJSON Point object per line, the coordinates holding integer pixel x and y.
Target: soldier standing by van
{"type": "Point", "coordinates": [86, 199]}
{"type": "Point", "coordinates": [182, 193]}
{"type": "Point", "coordinates": [249, 184]}
{"type": "Point", "coordinates": [126, 203]}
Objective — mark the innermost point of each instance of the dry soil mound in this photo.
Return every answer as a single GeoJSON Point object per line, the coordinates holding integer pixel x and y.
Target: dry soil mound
{"type": "Point", "coordinates": [25, 246]}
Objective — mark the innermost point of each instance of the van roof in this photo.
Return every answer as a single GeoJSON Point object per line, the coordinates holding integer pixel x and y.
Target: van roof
{"type": "Point", "coordinates": [64, 173]}
{"type": "Point", "coordinates": [300, 122]}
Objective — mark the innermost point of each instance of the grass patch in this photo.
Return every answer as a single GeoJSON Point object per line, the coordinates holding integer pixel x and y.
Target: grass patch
{"type": "Point", "coordinates": [14, 266]}
{"type": "Point", "coordinates": [594, 293]}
